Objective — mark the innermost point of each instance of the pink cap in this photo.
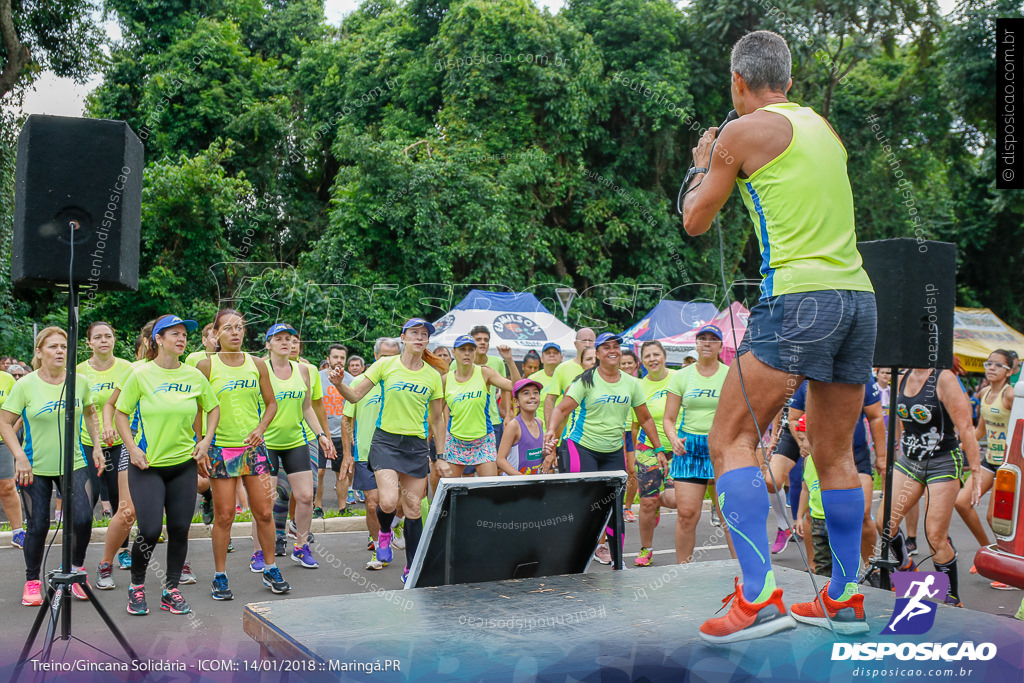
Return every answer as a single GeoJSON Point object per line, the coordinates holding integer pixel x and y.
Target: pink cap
{"type": "Point", "coordinates": [525, 382]}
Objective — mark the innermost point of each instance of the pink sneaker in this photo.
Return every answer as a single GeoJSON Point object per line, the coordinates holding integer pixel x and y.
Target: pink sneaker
{"type": "Point", "coordinates": [781, 539]}
{"type": "Point", "coordinates": [32, 595]}
{"type": "Point", "coordinates": [78, 591]}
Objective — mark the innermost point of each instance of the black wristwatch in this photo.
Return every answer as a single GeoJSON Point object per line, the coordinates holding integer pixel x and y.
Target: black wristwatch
{"type": "Point", "coordinates": [689, 175]}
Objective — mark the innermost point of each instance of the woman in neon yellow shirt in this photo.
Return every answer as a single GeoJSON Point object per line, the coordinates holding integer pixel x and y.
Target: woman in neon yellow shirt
{"type": "Point", "coordinates": [242, 385]}
{"type": "Point", "coordinates": [650, 473]}
{"type": "Point", "coordinates": [467, 400]}
{"type": "Point", "coordinates": [124, 517]}
{"type": "Point", "coordinates": [101, 371]}
{"type": "Point", "coordinates": [39, 400]}
{"type": "Point", "coordinates": [411, 406]}
{"type": "Point", "coordinates": [288, 435]}
{"type": "Point", "coordinates": [696, 388]}
{"type": "Point", "coordinates": [605, 397]}
{"type": "Point", "coordinates": [166, 395]}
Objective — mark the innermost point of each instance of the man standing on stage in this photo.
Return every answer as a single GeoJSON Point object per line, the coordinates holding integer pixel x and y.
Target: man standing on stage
{"type": "Point", "coordinates": [815, 320]}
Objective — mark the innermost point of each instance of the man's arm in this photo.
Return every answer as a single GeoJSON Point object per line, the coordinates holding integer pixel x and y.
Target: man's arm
{"type": "Point", "coordinates": [703, 204]}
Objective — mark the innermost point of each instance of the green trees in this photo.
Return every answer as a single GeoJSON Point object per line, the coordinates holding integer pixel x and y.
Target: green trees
{"type": "Point", "coordinates": [343, 179]}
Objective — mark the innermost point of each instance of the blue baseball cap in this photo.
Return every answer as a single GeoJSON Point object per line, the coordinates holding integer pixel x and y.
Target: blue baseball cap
{"type": "Point", "coordinates": [416, 322]}
{"type": "Point", "coordinates": [712, 329]}
{"type": "Point", "coordinates": [464, 340]}
{"type": "Point", "coordinates": [172, 320]}
{"type": "Point", "coordinates": [280, 327]}
{"type": "Point", "coordinates": [606, 337]}
{"type": "Point", "coordinates": [551, 345]}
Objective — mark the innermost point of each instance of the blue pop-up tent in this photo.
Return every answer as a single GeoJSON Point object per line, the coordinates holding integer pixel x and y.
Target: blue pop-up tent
{"type": "Point", "coordinates": [668, 319]}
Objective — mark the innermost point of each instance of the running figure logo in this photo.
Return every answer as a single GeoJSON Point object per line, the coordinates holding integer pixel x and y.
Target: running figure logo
{"type": "Point", "coordinates": [914, 612]}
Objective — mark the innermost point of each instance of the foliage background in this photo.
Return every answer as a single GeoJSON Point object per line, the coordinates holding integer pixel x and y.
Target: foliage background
{"type": "Point", "coordinates": [322, 175]}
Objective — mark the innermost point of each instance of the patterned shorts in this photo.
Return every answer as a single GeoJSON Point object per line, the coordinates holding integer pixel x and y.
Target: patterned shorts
{"type": "Point", "coordinates": [695, 463]}
{"type": "Point", "coordinates": [475, 452]}
{"type": "Point", "coordinates": [241, 461]}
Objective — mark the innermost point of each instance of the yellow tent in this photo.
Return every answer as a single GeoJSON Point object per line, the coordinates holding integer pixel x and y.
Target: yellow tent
{"type": "Point", "coordinates": [977, 332]}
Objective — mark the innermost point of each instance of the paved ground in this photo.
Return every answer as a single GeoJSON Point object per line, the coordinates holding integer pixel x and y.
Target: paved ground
{"type": "Point", "coordinates": [214, 629]}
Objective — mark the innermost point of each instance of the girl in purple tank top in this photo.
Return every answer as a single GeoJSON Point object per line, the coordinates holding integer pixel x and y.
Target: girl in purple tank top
{"type": "Point", "coordinates": [522, 444]}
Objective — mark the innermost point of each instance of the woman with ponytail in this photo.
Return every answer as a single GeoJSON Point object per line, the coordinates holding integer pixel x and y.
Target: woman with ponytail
{"type": "Point", "coordinates": [102, 371]}
{"type": "Point", "coordinates": [399, 457]}
{"type": "Point", "coordinates": [124, 516]}
{"type": "Point", "coordinates": [471, 436]}
{"type": "Point", "coordinates": [606, 396]}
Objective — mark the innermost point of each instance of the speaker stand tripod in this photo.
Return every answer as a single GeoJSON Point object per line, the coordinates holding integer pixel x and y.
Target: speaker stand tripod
{"type": "Point", "coordinates": [57, 600]}
{"type": "Point", "coordinates": [882, 564]}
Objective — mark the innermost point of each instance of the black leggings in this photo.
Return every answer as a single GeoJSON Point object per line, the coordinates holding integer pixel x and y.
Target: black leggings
{"type": "Point", "coordinates": [111, 457]}
{"type": "Point", "coordinates": [154, 490]}
{"type": "Point", "coordinates": [36, 498]}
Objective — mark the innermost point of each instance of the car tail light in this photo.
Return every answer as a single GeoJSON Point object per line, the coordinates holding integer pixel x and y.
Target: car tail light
{"type": "Point", "coordinates": [1005, 498]}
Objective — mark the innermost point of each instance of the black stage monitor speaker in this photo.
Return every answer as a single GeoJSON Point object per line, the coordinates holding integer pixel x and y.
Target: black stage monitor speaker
{"type": "Point", "coordinates": [915, 288]}
{"type": "Point", "coordinates": [497, 528]}
{"type": "Point", "coordinates": [77, 180]}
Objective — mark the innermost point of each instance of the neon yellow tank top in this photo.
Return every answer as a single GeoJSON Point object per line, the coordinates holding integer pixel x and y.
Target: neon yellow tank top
{"type": "Point", "coordinates": [286, 430]}
{"type": "Point", "coordinates": [238, 391]}
{"type": "Point", "coordinates": [470, 406]}
{"type": "Point", "coordinates": [802, 208]}
{"type": "Point", "coordinates": [996, 419]}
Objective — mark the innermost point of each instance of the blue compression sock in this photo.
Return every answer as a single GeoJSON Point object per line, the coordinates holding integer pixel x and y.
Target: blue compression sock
{"type": "Point", "coordinates": [844, 514]}
{"type": "Point", "coordinates": [744, 501]}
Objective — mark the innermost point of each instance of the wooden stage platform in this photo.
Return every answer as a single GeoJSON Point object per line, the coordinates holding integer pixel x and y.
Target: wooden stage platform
{"type": "Point", "coordinates": [635, 625]}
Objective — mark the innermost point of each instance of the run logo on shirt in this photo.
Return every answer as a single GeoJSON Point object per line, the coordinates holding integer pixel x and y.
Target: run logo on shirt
{"type": "Point", "coordinates": [612, 398]}
{"type": "Point", "coordinates": [283, 395]}
{"type": "Point", "coordinates": [51, 406]}
{"type": "Point", "coordinates": [702, 393]}
{"type": "Point", "coordinates": [467, 396]}
{"type": "Point", "coordinates": [657, 396]}
{"type": "Point", "coordinates": [233, 384]}
{"type": "Point", "coordinates": [173, 386]}
{"type": "Point", "coordinates": [105, 386]}
{"type": "Point", "coordinates": [409, 386]}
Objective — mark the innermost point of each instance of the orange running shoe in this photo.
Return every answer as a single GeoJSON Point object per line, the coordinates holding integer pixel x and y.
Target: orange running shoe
{"type": "Point", "coordinates": [746, 620]}
{"type": "Point", "coordinates": [847, 616]}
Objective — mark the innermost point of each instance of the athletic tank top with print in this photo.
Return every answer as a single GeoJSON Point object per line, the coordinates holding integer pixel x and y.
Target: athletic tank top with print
{"type": "Point", "coordinates": [288, 429]}
{"type": "Point", "coordinates": [238, 392]}
{"type": "Point", "coordinates": [996, 419]}
{"type": "Point", "coordinates": [527, 455]}
{"type": "Point", "coordinates": [927, 427]}
{"type": "Point", "coordinates": [469, 405]}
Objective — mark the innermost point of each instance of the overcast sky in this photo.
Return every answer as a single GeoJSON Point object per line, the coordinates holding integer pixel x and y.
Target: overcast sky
{"type": "Point", "coordinates": [64, 97]}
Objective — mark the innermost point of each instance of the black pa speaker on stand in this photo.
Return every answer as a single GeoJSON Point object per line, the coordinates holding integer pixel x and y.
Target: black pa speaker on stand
{"type": "Point", "coordinates": [77, 216]}
{"type": "Point", "coordinates": [915, 291]}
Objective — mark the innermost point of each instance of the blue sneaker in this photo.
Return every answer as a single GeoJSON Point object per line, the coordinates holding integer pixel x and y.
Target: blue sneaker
{"type": "Point", "coordinates": [124, 559]}
{"type": "Point", "coordinates": [256, 563]}
{"type": "Point", "coordinates": [273, 580]}
{"type": "Point", "coordinates": [220, 590]}
{"type": "Point", "coordinates": [303, 556]}
{"type": "Point", "coordinates": [360, 496]}
{"type": "Point", "coordinates": [384, 552]}
{"type": "Point", "coordinates": [18, 538]}
{"type": "Point", "coordinates": [351, 498]}
{"type": "Point", "coordinates": [405, 574]}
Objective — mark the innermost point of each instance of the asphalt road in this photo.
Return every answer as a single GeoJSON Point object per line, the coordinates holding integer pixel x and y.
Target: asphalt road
{"type": "Point", "coordinates": [214, 629]}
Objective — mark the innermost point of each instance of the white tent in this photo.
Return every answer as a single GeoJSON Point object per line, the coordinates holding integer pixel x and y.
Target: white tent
{"type": "Point", "coordinates": [519, 320]}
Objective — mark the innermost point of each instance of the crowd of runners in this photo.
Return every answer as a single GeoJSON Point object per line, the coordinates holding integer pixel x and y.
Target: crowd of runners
{"type": "Point", "coordinates": [224, 427]}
